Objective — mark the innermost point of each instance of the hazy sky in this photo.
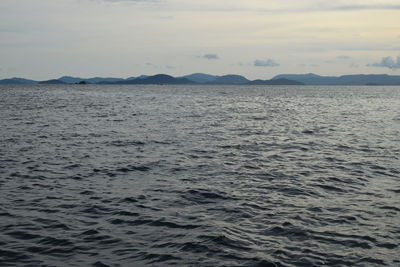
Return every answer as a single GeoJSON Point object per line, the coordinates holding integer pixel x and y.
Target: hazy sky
{"type": "Point", "coordinates": [42, 39]}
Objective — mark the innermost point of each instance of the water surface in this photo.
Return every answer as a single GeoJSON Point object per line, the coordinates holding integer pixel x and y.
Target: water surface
{"type": "Point", "coordinates": [199, 176]}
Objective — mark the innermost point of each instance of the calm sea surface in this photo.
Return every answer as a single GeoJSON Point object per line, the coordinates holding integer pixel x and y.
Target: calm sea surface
{"type": "Point", "coordinates": [199, 176]}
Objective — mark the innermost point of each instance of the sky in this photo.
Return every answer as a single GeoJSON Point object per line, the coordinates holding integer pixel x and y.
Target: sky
{"type": "Point", "coordinates": [44, 39]}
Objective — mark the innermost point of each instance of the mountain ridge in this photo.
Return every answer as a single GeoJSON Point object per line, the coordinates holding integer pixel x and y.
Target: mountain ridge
{"type": "Point", "coordinates": [229, 79]}
{"type": "Point", "coordinates": [352, 79]}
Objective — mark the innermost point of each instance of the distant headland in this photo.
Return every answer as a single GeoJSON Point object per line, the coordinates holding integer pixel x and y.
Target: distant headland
{"type": "Point", "coordinates": [229, 79]}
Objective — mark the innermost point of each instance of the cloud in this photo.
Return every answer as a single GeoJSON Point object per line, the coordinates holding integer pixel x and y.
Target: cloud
{"type": "Point", "coordinates": [366, 7]}
{"type": "Point", "coordinates": [137, 1]}
{"type": "Point", "coordinates": [243, 64]}
{"type": "Point", "coordinates": [387, 62]}
{"type": "Point", "coordinates": [343, 57]}
{"type": "Point", "coordinates": [280, 6]}
{"type": "Point", "coordinates": [265, 63]}
{"type": "Point", "coordinates": [149, 64]}
{"type": "Point", "coordinates": [210, 56]}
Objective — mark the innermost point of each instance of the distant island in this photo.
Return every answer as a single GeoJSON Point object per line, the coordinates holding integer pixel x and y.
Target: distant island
{"type": "Point", "coordinates": [230, 79]}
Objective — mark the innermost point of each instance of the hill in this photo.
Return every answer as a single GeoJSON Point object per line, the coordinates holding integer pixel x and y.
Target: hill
{"type": "Point", "coordinates": [201, 77]}
{"type": "Point", "coordinates": [281, 81]}
{"type": "Point", "coordinates": [360, 79]}
{"type": "Point", "coordinates": [17, 81]}
{"type": "Point", "coordinates": [157, 79]}
{"type": "Point", "coordinates": [230, 79]}
{"type": "Point", "coordinates": [69, 79]}
{"type": "Point", "coordinates": [54, 81]}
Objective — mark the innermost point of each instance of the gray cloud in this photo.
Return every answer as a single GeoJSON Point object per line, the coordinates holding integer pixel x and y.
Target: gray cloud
{"type": "Point", "coordinates": [334, 7]}
{"type": "Point", "coordinates": [305, 6]}
{"type": "Point", "coordinates": [236, 6]}
{"type": "Point", "coordinates": [149, 64]}
{"type": "Point", "coordinates": [387, 62]}
{"type": "Point", "coordinates": [366, 7]}
{"type": "Point", "coordinates": [318, 6]}
{"type": "Point", "coordinates": [343, 57]}
{"type": "Point", "coordinates": [244, 64]}
{"type": "Point", "coordinates": [265, 63]}
{"type": "Point", "coordinates": [210, 56]}
{"type": "Point", "coordinates": [137, 1]}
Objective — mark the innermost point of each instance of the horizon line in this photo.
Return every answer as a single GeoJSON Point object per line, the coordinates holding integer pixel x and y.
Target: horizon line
{"type": "Point", "coordinates": [183, 76]}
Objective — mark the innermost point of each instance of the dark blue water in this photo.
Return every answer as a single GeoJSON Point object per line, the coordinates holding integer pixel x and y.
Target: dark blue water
{"type": "Point", "coordinates": [199, 176]}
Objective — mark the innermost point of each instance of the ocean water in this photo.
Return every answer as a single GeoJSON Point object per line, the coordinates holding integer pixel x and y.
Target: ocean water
{"type": "Point", "coordinates": [199, 176]}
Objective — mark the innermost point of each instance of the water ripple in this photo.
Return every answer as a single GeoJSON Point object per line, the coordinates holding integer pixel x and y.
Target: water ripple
{"type": "Point", "coordinates": [199, 175]}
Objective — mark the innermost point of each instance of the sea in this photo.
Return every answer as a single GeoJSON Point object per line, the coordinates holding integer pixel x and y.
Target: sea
{"type": "Point", "coordinates": [165, 175]}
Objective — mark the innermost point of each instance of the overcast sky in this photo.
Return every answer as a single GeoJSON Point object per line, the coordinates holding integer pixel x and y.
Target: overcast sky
{"type": "Point", "coordinates": [43, 39]}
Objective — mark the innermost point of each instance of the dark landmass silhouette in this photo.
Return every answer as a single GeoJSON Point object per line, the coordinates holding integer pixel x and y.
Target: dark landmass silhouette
{"type": "Point", "coordinates": [69, 79]}
{"type": "Point", "coordinates": [358, 79]}
{"type": "Point", "coordinates": [281, 81]}
{"type": "Point", "coordinates": [229, 79]}
{"type": "Point", "coordinates": [54, 81]}
{"type": "Point", "coordinates": [17, 81]}
{"type": "Point", "coordinates": [156, 79]}
{"type": "Point", "coordinates": [139, 77]}
{"type": "Point", "coordinates": [201, 77]}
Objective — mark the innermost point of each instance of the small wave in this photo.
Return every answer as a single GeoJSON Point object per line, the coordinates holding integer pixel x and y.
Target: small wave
{"type": "Point", "coordinates": [23, 235]}
{"type": "Point", "coordinates": [96, 210]}
{"type": "Point", "coordinates": [330, 188]}
{"type": "Point", "coordinates": [100, 264]}
{"type": "Point", "coordinates": [164, 223]}
{"type": "Point", "coordinates": [308, 132]}
{"type": "Point", "coordinates": [158, 258]}
{"type": "Point", "coordinates": [126, 213]}
{"type": "Point", "coordinates": [225, 241]}
{"type": "Point", "coordinates": [12, 256]}
{"type": "Point", "coordinates": [129, 200]}
{"type": "Point", "coordinates": [290, 232]}
{"type": "Point", "coordinates": [89, 232]}
{"type": "Point", "coordinates": [125, 143]}
{"type": "Point", "coordinates": [390, 208]}
{"type": "Point", "coordinates": [204, 196]}
{"type": "Point", "coordinates": [55, 241]}
{"type": "Point", "coordinates": [131, 168]}
{"type": "Point", "coordinates": [130, 222]}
